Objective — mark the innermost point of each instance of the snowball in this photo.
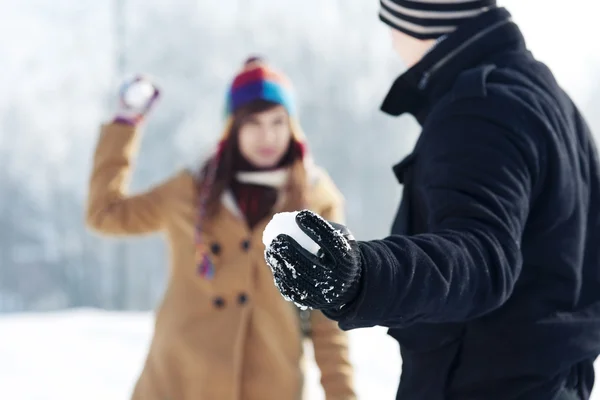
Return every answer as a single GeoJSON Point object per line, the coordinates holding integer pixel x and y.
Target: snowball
{"type": "Point", "coordinates": [138, 94]}
{"type": "Point", "coordinates": [285, 222]}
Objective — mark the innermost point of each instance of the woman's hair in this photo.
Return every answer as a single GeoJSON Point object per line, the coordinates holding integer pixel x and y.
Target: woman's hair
{"type": "Point", "coordinates": [231, 159]}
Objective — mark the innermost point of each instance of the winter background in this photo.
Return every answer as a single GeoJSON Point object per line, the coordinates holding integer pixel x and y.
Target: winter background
{"type": "Point", "coordinates": [75, 308]}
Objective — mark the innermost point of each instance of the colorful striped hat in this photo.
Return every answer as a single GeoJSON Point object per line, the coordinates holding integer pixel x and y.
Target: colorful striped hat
{"type": "Point", "coordinates": [259, 81]}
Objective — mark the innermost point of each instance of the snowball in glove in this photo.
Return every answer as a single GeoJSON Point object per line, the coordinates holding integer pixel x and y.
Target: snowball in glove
{"type": "Point", "coordinates": [136, 98]}
{"type": "Point", "coordinates": [328, 279]}
{"type": "Point", "coordinates": [285, 222]}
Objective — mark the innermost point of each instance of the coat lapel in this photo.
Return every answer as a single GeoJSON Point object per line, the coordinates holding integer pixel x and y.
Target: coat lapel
{"type": "Point", "coordinates": [228, 201]}
{"type": "Point", "coordinates": [403, 173]}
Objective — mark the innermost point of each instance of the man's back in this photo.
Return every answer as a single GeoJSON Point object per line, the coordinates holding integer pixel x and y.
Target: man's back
{"type": "Point", "coordinates": [550, 324]}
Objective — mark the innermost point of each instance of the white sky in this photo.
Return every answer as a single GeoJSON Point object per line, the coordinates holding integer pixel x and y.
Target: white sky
{"type": "Point", "coordinates": [564, 35]}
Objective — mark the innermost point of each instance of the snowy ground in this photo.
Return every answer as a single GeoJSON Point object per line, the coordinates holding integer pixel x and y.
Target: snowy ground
{"type": "Point", "coordinates": [97, 355]}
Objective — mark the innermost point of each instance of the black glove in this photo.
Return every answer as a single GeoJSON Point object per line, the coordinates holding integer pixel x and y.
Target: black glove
{"type": "Point", "coordinates": [328, 280]}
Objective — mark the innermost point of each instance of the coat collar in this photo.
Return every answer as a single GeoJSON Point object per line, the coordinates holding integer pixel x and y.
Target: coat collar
{"type": "Point", "coordinates": [419, 88]}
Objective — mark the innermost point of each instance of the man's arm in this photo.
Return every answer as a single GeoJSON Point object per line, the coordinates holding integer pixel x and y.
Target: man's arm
{"type": "Point", "coordinates": [476, 181]}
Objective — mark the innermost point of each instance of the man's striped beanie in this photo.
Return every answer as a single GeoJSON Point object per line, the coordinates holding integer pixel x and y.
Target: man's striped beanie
{"type": "Point", "coordinates": [430, 19]}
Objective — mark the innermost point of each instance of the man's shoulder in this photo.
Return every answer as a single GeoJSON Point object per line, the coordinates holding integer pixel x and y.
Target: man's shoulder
{"type": "Point", "coordinates": [488, 104]}
{"type": "Point", "coordinates": [491, 83]}
{"type": "Point", "coordinates": [507, 97]}
{"type": "Point", "coordinates": [524, 84]}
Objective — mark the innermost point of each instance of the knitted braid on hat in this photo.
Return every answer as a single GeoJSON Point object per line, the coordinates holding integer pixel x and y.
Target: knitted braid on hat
{"type": "Point", "coordinates": [205, 266]}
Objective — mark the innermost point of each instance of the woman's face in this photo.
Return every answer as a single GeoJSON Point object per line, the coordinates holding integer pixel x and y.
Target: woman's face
{"type": "Point", "coordinates": [264, 137]}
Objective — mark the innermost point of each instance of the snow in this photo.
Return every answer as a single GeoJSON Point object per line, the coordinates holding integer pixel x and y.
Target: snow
{"type": "Point", "coordinates": [285, 223]}
{"type": "Point", "coordinates": [97, 355]}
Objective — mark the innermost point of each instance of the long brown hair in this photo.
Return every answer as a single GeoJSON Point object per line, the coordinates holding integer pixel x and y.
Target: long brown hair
{"type": "Point", "coordinates": [230, 158]}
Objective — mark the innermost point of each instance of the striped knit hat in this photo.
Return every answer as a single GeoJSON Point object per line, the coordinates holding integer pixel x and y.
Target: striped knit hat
{"type": "Point", "coordinates": [430, 19]}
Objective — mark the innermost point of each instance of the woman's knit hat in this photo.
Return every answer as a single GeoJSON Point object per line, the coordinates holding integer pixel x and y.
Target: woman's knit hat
{"type": "Point", "coordinates": [430, 19]}
{"type": "Point", "coordinates": [259, 81]}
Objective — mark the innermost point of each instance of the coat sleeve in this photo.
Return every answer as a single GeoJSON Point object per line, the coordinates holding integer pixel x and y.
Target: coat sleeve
{"type": "Point", "coordinates": [110, 210]}
{"type": "Point", "coordinates": [330, 343]}
{"type": "Point", "coordinates": [476, 181]}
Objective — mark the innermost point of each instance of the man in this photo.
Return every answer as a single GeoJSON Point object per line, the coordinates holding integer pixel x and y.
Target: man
{"type": "Point", "coordinates": [490, 281]}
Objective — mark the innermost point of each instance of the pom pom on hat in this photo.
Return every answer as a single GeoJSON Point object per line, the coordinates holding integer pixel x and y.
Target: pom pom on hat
{"type": "Point", "coordinates": [253, 61]}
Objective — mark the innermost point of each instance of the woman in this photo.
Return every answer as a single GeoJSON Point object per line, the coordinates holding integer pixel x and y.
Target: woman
{"type": "Point", "coordinates": [223, 331]}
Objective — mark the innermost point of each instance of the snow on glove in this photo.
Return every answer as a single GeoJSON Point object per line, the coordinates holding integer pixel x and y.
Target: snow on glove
{"type": "Point", "coordinates": [327, 280]}
{"type": "Point", "coordinates": [136, 98]}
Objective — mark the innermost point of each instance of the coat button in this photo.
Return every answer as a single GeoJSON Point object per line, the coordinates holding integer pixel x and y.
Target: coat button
{"type": "Point", "coordinates": [215, 248]}
{"type": "Point", "coordinates": [219, 302]}
{"type": "Point", "coordinates": [243, 298]}
{"type": "Point", "coordinates": [246, 245]}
